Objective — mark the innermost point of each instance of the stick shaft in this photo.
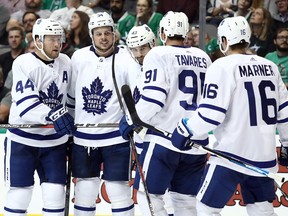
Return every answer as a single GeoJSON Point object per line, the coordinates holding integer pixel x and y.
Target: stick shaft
{"type": "Point", "coordinates": [99, 125]}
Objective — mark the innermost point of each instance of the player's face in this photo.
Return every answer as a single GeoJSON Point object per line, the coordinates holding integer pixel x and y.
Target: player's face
{"type": "Point", "coordinates": [281, 41]}
{"type": "Point", "coordinates": [140, 52]}
{"type": "Point", "coordinates": [15, 39]}
{"type": "Point", "coordinates": [104, 39]}
{"type": "Point", "coordinates": [52, 45]}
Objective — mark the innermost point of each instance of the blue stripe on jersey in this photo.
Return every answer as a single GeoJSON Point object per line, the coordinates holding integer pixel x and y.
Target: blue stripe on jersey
{"type": "Point", "coordinates": [15, 210]}
{"type": "Point", "coordinates": [282, 106]}
{"type": "Point", "coordinates": [53, 210]}
{"type": "Point", "coordinates": [26, 98]}
{"type": "Point", "coordinates": [69, 96]}
{"type": "Point", "coordinates": [97, 136]}
{"type": "Point", "coordinates": [29, 108]}
{"type": "Point", "coordinates": [208, 120]}
{"type": "Point", "coordinates": [155, 88]}
{"type": "Point", "coordinates": [70, 106]}
{"type": "Point", "coordinates": [282, 121]}
{"type": "Point", "coordinates": [84, 208]}
{"type": "Point", "coordinates": [35, 136]}
{"type": "Point", "coordinates": [209, 106]}
{"type": "Point", "coordinates": [266, 164]}
{"type": "Point", "coordinates": [152, 101]}
{"type": "Point", "coordinates": [123, 209]}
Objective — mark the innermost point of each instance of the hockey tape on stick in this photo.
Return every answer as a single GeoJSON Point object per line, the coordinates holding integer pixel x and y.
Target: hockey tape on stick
{"type": "Point", "coordinates": [99, 125]}
{"type": "Point", "coordinates": [137, 121]}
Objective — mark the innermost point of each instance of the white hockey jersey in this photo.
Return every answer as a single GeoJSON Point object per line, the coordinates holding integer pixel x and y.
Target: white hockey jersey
{"type": "Point", "coordinates": [244, 99]}
{"type": "Point", "coordinates": [94, 97]}
{"type": "Point", "coordinates": [172, 85]}
{"type": "Point", "coordinates": [38, 87]}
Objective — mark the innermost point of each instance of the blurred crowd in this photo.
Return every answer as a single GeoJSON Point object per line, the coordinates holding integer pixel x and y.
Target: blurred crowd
{"type": "Point", "coordinates": [267, 18]}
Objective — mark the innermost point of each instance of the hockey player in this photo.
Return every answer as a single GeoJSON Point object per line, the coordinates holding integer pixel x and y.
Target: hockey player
{"type": "Point", "coordinates": [39, 91]}
{"type": "Point", "coordinates": [95, 100]}
{"type": "Point", "coordinates": [243, 102]}
{"type": "Point", "coordinates": [172, 83]}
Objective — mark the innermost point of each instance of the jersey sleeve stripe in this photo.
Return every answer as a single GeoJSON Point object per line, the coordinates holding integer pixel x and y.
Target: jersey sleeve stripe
{"type": "Point", "coordinates": [70, 106]}
{"type": "Point", "coordinates": [29, 108]}
{"type": "Point", "coordinates": [70, 97]}
{"type": "Point", "coordinates": [282, 106]}
{"type": "Point", "coordinates": [26, 98]}
{"type": "Point", "coordinates": [152, 101]}
{"type": "Point", "coordinates": [155, 88]}
{"type": "Point", "coordinates": [283, 121]}
{"type": "Point", "coordinates": [35, 136]}
{"type": "Point", "coordinates": [208, 120]}
{"type": "Point", "coordinates": [209, 106]}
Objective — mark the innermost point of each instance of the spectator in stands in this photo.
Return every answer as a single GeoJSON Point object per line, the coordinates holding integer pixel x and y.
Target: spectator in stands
{"type": "Point", "coordinates": [217, 10]}
{"type": "Point", "coordinates": [28, 20]}
{"type": "Point", "coordinates": [15, 40]}
{"type": "Point", "coordinates": [64, 15]}
{"type": "Point", "coordinates": [13, 6]}
{"type": "Point", "coordinates": [145, 14]}
{"type": "Point", "coordinates": [122, 19]}
{"type": "Point", "coordinates": [195, 36]}
{"type": "Point", "coordinates": [244, 8]}
{"type": "Point", "coordinates": [97, 5]}
{"type": "Point", "coordinates": [280, 56]}
{"type": "Point", "coordinates": [189, 7]}
{"type": "Point", "coordinates": [30, 47]}
{"type": "Point", "coordinates": [5, 100]}
{"type": "Point", "coordinates": [30, 5]}
{"type": "Point", "coordinates": [188, 41]}
{"type": "Point", "coordinates": [4, 17]}
{"type": "Point", "coordinates": [260, 23]}
{"type": "Point", "coordinates": [79, 33]}
{"type": "Point", "coordinates": [280, 19]}
{"type": "Point", "coordinates": [213, 50]}
{"type": "Point", "coordinates": [52, 5]}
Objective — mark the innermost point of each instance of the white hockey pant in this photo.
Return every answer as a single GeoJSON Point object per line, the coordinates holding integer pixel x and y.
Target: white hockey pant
{"type": "Point", "coordinates": [120, 196]}
{"type": "Point", "coordinates": [260, 208]}
{"type": "Point", "coordinates": [17, 201]}
{"type": "Point", "coordinates": [53, 196]}
{"type": "Point", "coordinates": [183, 204]}
{"type": "Point", "coordinates": [86, 192]}
{"type": "Point", "coordinates": [156, 201]}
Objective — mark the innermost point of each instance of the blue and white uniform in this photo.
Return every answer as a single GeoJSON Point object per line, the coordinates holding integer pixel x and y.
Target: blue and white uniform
{"type": "Point", "coordinates": [171, 87]}
{"type": "Point", "coordinates": [38, 87]}
{"type": "Point", "coordinates": [243, 112]}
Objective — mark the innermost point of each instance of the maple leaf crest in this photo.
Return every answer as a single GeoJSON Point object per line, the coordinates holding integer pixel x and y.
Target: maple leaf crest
{"type": "Point", "coordinates": [52, 98]}
{"type": "Point", "coordinates": [95, 98]}
{"type": "Point", "coordinates": [136, 95]}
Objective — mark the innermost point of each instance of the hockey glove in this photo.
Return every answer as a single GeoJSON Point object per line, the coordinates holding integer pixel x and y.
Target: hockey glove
{"type": "Point", "coordinates": [125, 129]}
{"type": "Point", "coordinates": [181, 136]}
{"type": "Point", "coordinates": [63, 122]}
{"type": "Point", "coordinates": [283, 159]}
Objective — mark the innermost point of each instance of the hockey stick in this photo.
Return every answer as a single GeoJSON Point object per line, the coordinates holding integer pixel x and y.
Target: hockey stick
{"type": "Point", "coordinates": [132, 143]}
{"type": "Point", "coordinates": [137, 121]}
{"type": "Point", "coordinates": [99, 125]}
{"type": "Point", "coordinates": [68, 178]}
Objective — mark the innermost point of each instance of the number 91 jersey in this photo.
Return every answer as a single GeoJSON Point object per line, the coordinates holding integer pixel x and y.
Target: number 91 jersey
{"type": "Point", "coordinates": [173, 79]}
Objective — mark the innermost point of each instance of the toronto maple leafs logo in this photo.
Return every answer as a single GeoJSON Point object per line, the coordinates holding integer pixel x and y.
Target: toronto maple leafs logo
{"type": "Point", "coordinates": [52, 98]}
{"type": "Point", "coordinates": [95, 99]}
{"type": "Point", "coordinates": [136, 95]}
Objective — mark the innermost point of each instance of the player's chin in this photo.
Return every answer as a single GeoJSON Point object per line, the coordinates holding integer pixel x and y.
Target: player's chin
{"type": "Point", "coordinates": [54, 54]}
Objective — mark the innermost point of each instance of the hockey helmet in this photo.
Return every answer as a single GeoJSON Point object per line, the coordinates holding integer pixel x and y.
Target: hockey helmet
{"type": "Point", "coordinates": [140, 35]}
{"type": "Point", "coordinates": [174, 23]}
{"type": "Point", "coordinates": [98, 20]}
{"type": "Point", "coordinates": [44, 27]}
{"type": "Point", "coordinates": [235, 30]}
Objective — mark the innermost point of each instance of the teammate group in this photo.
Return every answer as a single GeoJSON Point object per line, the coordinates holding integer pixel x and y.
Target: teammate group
{"type": "Point", "coordinates": [240, 97]}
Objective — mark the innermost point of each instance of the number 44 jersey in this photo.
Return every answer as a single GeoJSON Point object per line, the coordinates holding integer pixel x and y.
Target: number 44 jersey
{"type": "Point", "coordinates": [244, 100]}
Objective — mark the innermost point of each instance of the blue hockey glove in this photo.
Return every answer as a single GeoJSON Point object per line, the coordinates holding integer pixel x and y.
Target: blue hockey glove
{"type": "Point", "coordinates": [283, 158]}
{"type": "Point", "coordinates": [181, 136]}
{"type": "Point", "coordinates": [63, 122]}
{"type": "Point", "coordinates": [125, 129]}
